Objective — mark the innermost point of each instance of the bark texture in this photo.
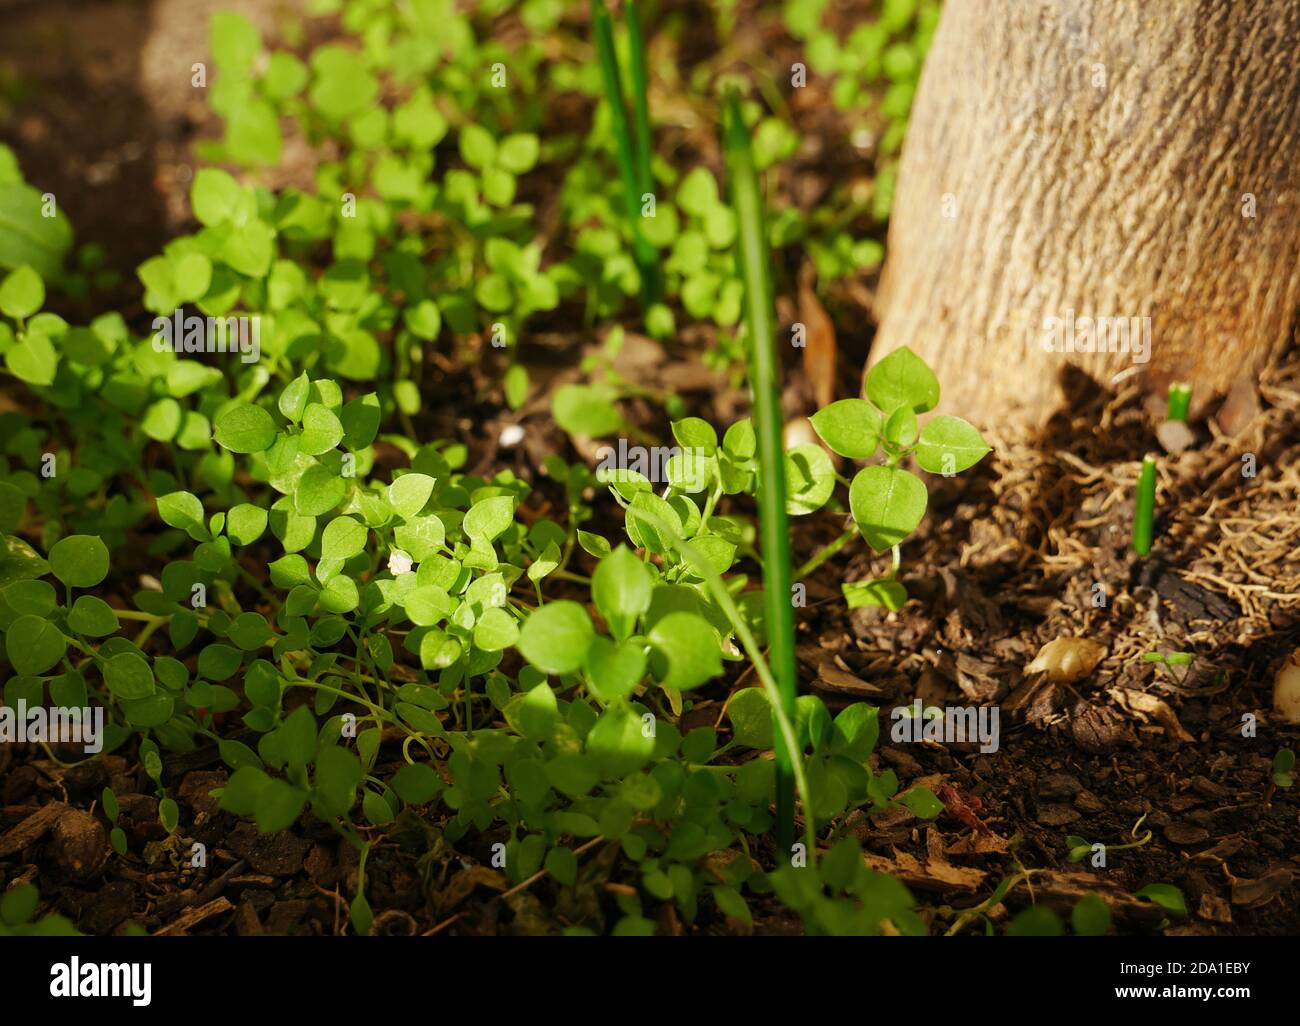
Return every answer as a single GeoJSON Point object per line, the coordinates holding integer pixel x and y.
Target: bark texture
{"type": "Point", "coordinates": [1098, 158]}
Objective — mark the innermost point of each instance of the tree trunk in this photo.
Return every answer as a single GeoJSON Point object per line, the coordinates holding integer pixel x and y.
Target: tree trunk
{"type": "Point", "coordinates": [1077, 159]}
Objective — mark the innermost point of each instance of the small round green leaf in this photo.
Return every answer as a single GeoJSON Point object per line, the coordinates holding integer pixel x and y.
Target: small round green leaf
{"type": "Point", "coordinates": [556, 637]}
{"type": "Point", "coordinates": [903, 379]}
{"type": "Point", "coordinates": [949, 445]}
{"type": "Point", "coordinates": [129, 676]}
{"type": "Point", "coordinates": [92, 617]}
{"type": "Point", "coordinates": [33, 645]}
{"type": "Point", "coordinates": [408, 494]}
{"type": "Point", "coordinates": [21, 293]}
{"type": "Point", "coordinates": [496, 629]}
{"type": "Point", "coordinates": [79, 560]}
{"type": "Point", "coordinates": [687, 651]}
{"type": "Point", "coordinates": [809, 479]}
{"type": "Point", "coordinates": [245, 523]}
{"type": "Point", "coordinates": [343, 538]}
{"type": "Point", "coordinates": [321, 430]}
{"type": "Point", "coordinates": [621, 588]}
{"type": "Point", "coordinates": [851, 427]}
{"type": "Point", "coordinates": [887, 504]}
{"type": "Point", "coordinates": [245, 429]}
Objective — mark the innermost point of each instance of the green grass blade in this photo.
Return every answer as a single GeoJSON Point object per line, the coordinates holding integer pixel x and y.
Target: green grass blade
{"type": "Point", "coordinates": [1180, 401]}
{"type": "Point", "coordinates": [642, 252]}
{"type": "Point", "coordinates": [1144, 508]}
{"type": "Point", "coordinates": [641, 116]}
{"type": "Point", "coordinates": [764, 375]}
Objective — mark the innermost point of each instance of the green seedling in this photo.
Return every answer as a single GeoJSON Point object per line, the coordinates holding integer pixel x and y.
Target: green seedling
{"type": "Point", "coordinates": [1167, 897]}
{"type": "Point", "coordinates": [116, 835]}
{"type": "Point", "coordinates": [1081, 848]}
{"type": "Point", "coordinates": [1283, 765]}
{"type": "Point", "coordinates": [886, 500]}
{"type": "Point", "coordinates": [1144, 507]}
{"type": "Point", "coordinates": [1180, 401]}
{"type": "Point", "coordinates": [1175, 664]}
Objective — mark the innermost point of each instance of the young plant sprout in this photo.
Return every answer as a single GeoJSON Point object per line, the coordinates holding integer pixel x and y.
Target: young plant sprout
{"type": "Point", "coordinates": [1180, 401]}
{"type": "Point", "coordinates": [1283, 764]}
{"type": "Point", "coordinates": [1174, 663]}
{"type": "Point", "coordinates": [1144, 510]}
{"type": "Point", "coordinates": [886, 500]}
{"type": "Point", "coordinates": [633, 160]}
{"type": "Point", "coordinates": [1080, 847]}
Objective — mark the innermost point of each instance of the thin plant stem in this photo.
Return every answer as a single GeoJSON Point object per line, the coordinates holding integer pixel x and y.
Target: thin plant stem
{"type": "Point", "coordinates": [641, 122]}
{"type": "Point", "coordinates": [642, 252]}
{"type": "Point", "coordinates": [1144, 508]}
{"type": "Point", "coordinates": [786, 739]}
{"type": "Point", "coordinates": [826, 552]}
{"type": "Point", "coordinates": [764, 371]}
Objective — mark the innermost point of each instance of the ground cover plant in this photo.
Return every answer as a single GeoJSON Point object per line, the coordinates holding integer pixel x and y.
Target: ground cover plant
{"type": "Point", "coordinates": [530, 552]}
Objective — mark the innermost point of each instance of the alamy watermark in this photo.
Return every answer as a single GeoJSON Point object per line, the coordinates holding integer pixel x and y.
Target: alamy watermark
{"type": "Point", "coordinates": [686, 468]}
{"type": "Point", "coordinates": [191, 333]}
{"type": "Point", "coordinates": [954, 723]}
{"type": "Point", "coordinates": [102, 979]}
{"type": "Point", "coordinates": [1084, 334]}
{"type": "Point", "coordinates": [83, 726]}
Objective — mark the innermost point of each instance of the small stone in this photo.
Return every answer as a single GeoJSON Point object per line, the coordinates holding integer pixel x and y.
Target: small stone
{"type": "Point", "coordinates": [197, 787]}
{"type": "Point", "coordinates": [80, 844]}
{"type": "Point", "coordinates": [1175, 436]}
{"type": "Point", "coordinates": [1058, 785]}
{"type": "Point", "coordinates": [1056, 815]}
{"type": "Point", "coordinates": [1185, 834]}
{"type": "Point", "coordinates": [278, 854]}
{"type": "Point", "coordinates": [511, 435]}
{"type": "Point", "coordinates": [285, 915]}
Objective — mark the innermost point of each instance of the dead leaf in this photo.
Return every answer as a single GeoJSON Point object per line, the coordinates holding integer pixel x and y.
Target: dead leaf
{"type": "Point", "coordinates": [977, 679]}
{"type": "Point", "coordinates": [463, 883]}
{"type": "Point", "coordinates": [832, 678]}
{"type": "Point", "coordinates": [929, 875]}
{"type": "Point", "coordinates": [1253, 893]}
{"type": "Point", "coordinates": [978, 843]}
{"type": "Point", "coordinates": [1215, 909]}
{"type": "Point", "coordinates": [819, 355]}
{"type": "Point", "coordinates": [963, 807]}
{"type": "Point", "coordinates": [1142, 705]}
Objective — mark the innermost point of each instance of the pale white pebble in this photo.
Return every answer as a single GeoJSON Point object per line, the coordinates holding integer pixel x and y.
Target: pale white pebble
{"type": "Point", "coordinates": [511, 435]}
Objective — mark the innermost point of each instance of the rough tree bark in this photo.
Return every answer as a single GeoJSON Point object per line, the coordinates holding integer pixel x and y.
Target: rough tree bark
{"type": "Point", "coordinates": [1109, 158]}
